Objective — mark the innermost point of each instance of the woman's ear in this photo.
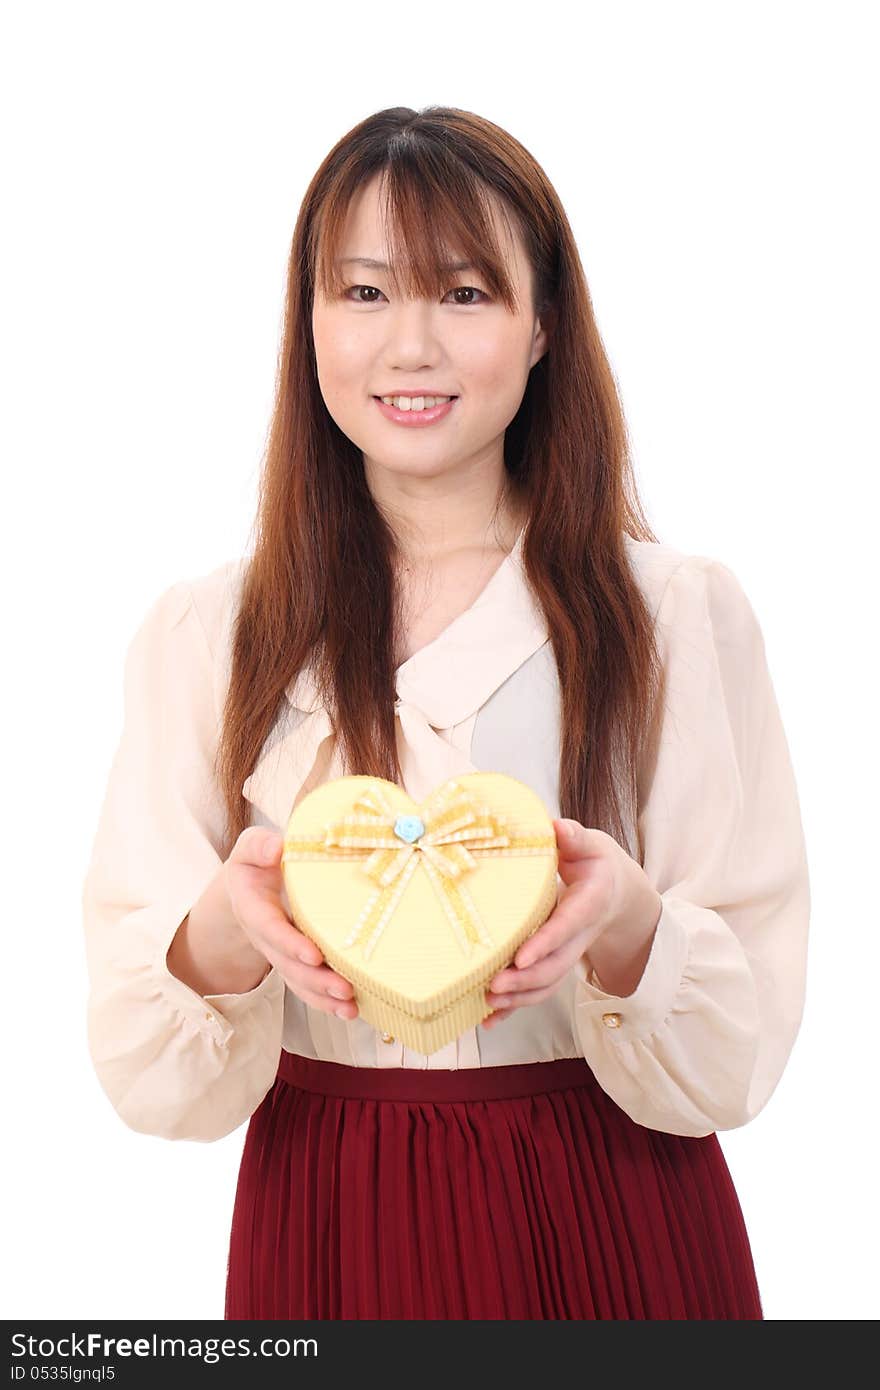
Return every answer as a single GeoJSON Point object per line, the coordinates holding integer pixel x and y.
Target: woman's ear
{"type": "Point", "coordinates": [543, 333]}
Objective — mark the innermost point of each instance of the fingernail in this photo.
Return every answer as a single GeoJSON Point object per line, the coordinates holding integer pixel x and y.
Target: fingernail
{"type": "Point", "coordinates": [270, 849]}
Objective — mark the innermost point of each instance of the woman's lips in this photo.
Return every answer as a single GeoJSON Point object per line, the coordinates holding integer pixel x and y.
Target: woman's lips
{"type": "Point", "coordinates": [415, 418]}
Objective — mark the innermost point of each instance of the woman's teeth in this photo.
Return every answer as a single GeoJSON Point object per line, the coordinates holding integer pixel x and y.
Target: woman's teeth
{"type": "Point", "coordinates": [414, 402]}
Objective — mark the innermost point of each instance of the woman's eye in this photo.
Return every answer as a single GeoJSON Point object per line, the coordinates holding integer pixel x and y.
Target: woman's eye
{"type": "Point", "coordinates": [468, 289]}
{"type": "Point", "coordinates": [358, 299]}
{"type": "Point", "coordinates": [353, 293]}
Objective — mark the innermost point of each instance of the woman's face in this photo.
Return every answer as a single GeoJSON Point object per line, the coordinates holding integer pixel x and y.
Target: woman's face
{"type": "Point", "coordinates": [372, 342]}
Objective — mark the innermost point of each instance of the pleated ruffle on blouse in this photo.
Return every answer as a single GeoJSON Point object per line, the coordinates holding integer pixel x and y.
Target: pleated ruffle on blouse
{"type": "Point", "coordinates": [506, 1192]}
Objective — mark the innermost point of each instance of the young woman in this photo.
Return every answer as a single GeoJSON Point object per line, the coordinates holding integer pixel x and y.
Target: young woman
{"type": "Point", "coordinates": [452, 571]}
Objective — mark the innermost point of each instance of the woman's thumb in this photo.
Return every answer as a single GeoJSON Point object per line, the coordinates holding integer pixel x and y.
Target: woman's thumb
{"type": "Point", "coordinates": [271, 847]}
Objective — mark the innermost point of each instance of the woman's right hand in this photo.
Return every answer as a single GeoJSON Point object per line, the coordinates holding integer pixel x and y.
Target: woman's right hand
{"type": "Point", "coordinates": [257, 897]}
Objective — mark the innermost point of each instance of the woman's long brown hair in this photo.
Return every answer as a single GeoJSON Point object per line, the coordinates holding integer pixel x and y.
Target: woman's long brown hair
{"type": "Point", "coordinates": [318, 584]}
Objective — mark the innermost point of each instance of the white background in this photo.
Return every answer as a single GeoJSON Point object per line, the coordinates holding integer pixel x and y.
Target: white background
{"type": "Point", "coordinates": [717, 164]}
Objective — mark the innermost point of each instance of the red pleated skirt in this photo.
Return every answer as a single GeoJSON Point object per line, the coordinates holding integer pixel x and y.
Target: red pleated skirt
{"type": "Point", "coordinates": [519, 1191]}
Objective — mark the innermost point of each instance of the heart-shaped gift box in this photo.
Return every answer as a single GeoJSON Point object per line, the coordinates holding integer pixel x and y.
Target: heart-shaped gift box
{"type": "Point", "coordinates": [420, 906]}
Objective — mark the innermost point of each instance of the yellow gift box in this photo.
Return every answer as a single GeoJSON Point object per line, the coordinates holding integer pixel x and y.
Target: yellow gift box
{"type": "Point", "coordinates": [420, 906]}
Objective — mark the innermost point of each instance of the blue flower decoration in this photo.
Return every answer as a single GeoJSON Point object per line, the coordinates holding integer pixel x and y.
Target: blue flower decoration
{"type": "Point", "coordinates": [409, 828]}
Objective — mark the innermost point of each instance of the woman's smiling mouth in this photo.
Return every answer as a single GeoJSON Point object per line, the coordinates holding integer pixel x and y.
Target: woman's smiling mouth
{"type": "Point", "coordinates": [416, 413]}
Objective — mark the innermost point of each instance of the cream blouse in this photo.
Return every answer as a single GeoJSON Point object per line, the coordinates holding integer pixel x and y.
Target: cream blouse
{"type": "Point", "coordinates": [702, 1041]}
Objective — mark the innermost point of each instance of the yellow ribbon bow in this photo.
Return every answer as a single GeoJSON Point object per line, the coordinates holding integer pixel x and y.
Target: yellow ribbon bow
{"type": "Point", "coordinates": [447, 836]}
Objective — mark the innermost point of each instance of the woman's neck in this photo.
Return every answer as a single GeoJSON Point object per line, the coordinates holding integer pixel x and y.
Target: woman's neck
{"type": "Point", "coordinates": [418, 549]}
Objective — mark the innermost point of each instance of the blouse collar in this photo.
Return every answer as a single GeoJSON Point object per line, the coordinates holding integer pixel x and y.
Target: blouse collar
{"type": "Point", "coordinates": [440, 686]}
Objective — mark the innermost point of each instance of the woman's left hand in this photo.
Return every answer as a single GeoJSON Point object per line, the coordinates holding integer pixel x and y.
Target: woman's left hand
{"type": "Point", "coordinates": [606, 895]}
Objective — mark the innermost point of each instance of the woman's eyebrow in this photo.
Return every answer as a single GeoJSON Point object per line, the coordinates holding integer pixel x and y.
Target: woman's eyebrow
{"type": "Point", "coordinates": [382, 265]}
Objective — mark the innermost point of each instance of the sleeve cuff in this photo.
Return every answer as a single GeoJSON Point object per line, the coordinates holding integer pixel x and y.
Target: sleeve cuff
{"type": "Point", "coordinates": [215, 1015]}
{"type": "Point", "coordinates": [637, 1015]}
{"type": "Point", "coordinates": [235, 1007]}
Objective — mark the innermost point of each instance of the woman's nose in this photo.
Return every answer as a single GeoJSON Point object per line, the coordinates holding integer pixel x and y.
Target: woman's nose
{"type": "Point", "coordinates": [412, 324]}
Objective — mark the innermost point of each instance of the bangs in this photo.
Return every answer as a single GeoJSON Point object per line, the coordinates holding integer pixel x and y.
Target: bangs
{"type": "Point", "coordinates": [436, 214]}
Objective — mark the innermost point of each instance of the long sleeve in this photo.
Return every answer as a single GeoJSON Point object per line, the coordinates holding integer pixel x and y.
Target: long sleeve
{"type": "Point", "coordinates": [173, 1063]}
{"type": "Point", "coordinates": [703, 1040]}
